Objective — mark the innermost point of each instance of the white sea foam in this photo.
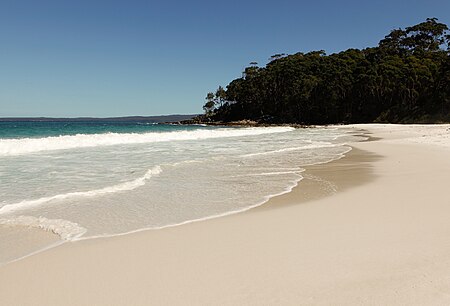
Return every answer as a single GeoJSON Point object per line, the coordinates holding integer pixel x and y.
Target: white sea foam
{"type": "Point", "coordinates": [316, 145]}
{"type": "Point", "coordinates": [296, 172]}
{"type": "Point", "coordinates": [30, 145]}
{"type": "Point", "coordinates": [126, 186]}
{"type": "Point", "coordinates": [201, 179]}
{"type": "Point", "coordinates": [65, 229]}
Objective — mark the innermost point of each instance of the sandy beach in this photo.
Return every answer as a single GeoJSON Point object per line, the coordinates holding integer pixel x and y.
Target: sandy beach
{"type": "Point", "coordinates": [369, 229]}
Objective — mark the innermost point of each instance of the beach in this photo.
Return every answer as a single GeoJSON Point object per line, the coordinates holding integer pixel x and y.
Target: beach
{"type": "Point", "coordinates": [371, 228]}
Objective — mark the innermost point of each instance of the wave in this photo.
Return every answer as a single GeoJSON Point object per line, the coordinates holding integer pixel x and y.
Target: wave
{"type": "Point", "coordinates": [21, 146]}
{"type": "Point", "coordinates": [296, 171]}
{"type": "Point", "coordinates": [126, 186]}
{"type": "Point", "coordinates": [264, 200]}
{"type": "Point", "coordinates": [316, 145]}
{"type": "Point", "coordinates": [65, 229]}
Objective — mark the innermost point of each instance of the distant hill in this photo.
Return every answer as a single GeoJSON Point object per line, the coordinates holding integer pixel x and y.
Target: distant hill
{"type": "Point", "coordinates": [153, 119]}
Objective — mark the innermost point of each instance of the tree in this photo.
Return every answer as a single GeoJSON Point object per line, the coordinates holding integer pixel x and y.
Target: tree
{"type": "Point", "coordinates": [406, 78]}
{"type": "Point", "coordinates": [427, 36]}
{"type": "Point", "coordinates": [209, 105]}
{"type": "Point", "coordinates": [220, 96]}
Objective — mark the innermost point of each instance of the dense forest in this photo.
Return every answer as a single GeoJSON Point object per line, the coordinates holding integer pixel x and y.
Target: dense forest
{"type": "Point", "coordinates": [406, 78]}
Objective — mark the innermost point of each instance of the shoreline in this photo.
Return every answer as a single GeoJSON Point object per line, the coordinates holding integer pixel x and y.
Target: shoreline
{"type": "Point", "coordinates": [50, 239]}
{"type": "Point", "coordinates": [328, 179]}
{"type": "Point", "coordinates": [377, 240]}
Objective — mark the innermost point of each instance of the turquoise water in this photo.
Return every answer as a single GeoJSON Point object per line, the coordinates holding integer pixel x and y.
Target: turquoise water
{"type": "Point", "coordinates": [82, 180]}
{"type": "Point", "coordinates": [35, 129]}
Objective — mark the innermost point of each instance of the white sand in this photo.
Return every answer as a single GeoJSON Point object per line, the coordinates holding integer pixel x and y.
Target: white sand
{"type": "Point", "coordinates": [384, 241]}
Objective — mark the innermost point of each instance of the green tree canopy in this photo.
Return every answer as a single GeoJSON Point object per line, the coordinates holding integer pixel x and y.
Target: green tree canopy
{"type": "Point", "coordinates": [406, 78]}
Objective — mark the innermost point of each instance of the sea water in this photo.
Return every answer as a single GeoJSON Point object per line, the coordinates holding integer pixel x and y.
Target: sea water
{"type": "Point", "coordinates": [90, 179]}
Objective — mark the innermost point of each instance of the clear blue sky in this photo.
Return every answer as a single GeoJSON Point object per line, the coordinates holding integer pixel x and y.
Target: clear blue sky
{"type": "Point", "coordinates": [117, 58]}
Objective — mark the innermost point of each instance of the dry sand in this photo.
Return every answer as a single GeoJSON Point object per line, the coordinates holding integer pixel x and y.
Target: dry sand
{"type": "Point", "coordinates": [381, 238]}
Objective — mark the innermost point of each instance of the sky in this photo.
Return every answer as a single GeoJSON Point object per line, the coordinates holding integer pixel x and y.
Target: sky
{"type": "Point", "coordinates": [122, 58]}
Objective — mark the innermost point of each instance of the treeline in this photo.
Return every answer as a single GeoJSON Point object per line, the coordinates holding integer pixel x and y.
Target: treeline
{"type": "Point", "coordinates": [406, 78]}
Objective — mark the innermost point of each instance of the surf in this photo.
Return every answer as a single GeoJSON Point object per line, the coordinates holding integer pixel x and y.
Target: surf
{"type": "Point", "coordinates": [11, 147]}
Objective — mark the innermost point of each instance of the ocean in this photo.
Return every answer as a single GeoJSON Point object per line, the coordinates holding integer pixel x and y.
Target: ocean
{"type": "Point", "coordinates": [83, 180]}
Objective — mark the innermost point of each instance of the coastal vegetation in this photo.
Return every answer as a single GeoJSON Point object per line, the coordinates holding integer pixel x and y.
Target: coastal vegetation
{"type": "Point", "coordinates": [406, 78]}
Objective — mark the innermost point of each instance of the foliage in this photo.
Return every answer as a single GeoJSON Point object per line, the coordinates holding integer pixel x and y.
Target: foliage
{"type": "Point", "coordinates": [406, 78]}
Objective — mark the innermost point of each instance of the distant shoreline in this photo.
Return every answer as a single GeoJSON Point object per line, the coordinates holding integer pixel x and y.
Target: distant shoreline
{"type": "Point", "coordinates": [163, 118]}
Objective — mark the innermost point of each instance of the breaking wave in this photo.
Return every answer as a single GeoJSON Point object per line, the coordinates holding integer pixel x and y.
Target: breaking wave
{"type": "Point", "coordinates": [10, 147]}
{"type": "Point", "coordinates": [126, 186]}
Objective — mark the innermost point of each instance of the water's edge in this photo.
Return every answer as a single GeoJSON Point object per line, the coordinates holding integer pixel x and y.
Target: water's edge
{"type": "Point", "coordinates": [229, 213]}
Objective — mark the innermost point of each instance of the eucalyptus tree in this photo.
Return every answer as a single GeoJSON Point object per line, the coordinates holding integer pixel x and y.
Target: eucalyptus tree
{"type": "Point", "coordinates": [404, 79]}
{"type": "Point", "coordinates": [209, 106]}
